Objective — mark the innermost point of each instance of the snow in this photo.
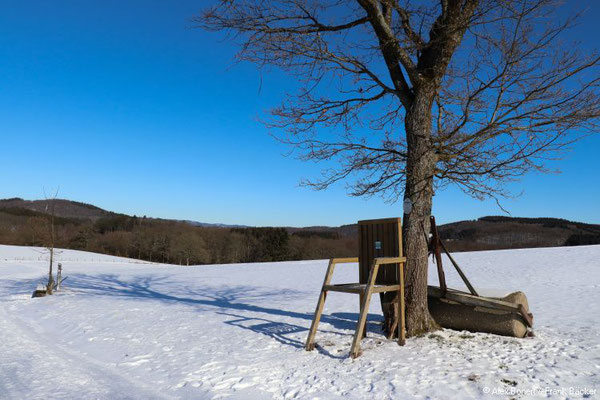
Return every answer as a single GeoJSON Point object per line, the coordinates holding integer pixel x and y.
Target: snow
{"type": "Point", "coordinates": [126, 329]}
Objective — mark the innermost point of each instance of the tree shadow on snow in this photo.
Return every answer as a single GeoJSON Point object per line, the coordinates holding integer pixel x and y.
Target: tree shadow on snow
{"type": "Point", "coordinates": [277, 331]}
{"type": "Point", "coordinates": [273, 329]}
{"type": "Point", "coordinates": [14, 287]}
{"type": "Point", "coordinates": [226, 298]}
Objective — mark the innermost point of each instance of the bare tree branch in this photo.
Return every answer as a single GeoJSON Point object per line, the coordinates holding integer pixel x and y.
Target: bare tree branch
{"type": "Point", "coordinates": [507, 95]}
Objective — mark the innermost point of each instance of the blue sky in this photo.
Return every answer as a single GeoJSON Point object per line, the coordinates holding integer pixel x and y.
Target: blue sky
{"type": "Point", "coordinates": [122, 105]}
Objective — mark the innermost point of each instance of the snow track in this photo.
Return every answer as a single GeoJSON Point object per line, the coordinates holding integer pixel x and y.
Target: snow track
{"type": "Point", "coordinates": [35, 367]}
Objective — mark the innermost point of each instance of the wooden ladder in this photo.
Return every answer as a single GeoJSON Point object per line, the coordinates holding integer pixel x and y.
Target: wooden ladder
{"type": "Point", "coordinates": [364, 291]}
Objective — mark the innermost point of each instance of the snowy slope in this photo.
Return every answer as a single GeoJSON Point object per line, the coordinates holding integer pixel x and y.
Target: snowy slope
{"type": "Point", "coordinates": [124, 329]}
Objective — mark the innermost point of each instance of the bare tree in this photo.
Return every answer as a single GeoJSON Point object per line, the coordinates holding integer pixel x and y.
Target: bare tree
{"type": "Point", "coordinates": [411, 96]}
{"type": "Point", "coordinates": [50, 209]}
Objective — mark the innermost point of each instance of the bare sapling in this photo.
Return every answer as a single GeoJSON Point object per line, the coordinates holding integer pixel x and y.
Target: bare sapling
{"type": "Point", "coordinates": [52, 201]}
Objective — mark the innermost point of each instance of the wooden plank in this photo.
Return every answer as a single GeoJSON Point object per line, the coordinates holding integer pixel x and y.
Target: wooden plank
{"type": "Point", "coordinates": [390, 270]}
{"type": "Point", "coordinates": [359, 288]}
{"type": "Point", "coordinates": [361, 297]}
{"type": "Point", "coordinates": [345, 288]}
{"type": "Point", "coordinates": [399, 243]}
{"type": "Point", "coordinates": [378, 221]}
{"type": "Point", "coordinates": [393, 249]}
{"type": "Point", "coordinates": [395, 322]}
{"type": "Point", "coordinates": [390, 260]}
{"type": "Point", "coordinates": [361, 252]}
{"type": "Point", "coordinates": [381, 276]}
{"type": "Point", "coordinates": [345, 285]}
{"type": "Point", "coordinates": [370, 253]}
{"type": "Point", "coordinates": [399, 227]}
{"type": "Point", "coordinates": [389, 275]}
{"type": "Point", "coordinates": [364, 262]}
{"type": "Point", "coordinates": [402, 324]}
{"type": "Point", "coordinates": [388, 244]}
{"type": "Point", "coordinates": [310, 341]}
{"type": "Point", "coordinates": [470, 300]}
{"type": "Point", "coordinates": [385, 288]}
{"type": "Point", "coordinates": [364, 309]}
{"type": "Point", "coordinates": [346, 260]}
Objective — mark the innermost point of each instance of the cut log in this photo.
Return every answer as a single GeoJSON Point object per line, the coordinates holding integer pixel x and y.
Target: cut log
{"type": "Point", "coordinates": [500, 316]}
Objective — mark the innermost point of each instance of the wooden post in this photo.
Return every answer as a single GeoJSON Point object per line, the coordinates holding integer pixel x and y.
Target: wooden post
{"type": "Point", "coordinates": [310, 341]}
{"type": "Point", "coordinates": [364, 309]}
{"type": "Point", "coordinates": [58, 277]}
{"type": "Point", "coordinates": [462, 275]}
{"type": "Point", "coordinates": [361, 297]}
{"type": "Point", "coordinates": [437, 252]}
{"type": "Point", "coordinates": [50, 285]}
{"type": "Point", "coordinates": [401, 311]}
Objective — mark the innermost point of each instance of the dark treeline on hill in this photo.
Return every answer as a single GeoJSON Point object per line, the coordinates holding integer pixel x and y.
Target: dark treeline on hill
{"type": "Point", "coordinates": [499, 232]}
{"type": "Point", "coordinates": [86, 227]}
{"type": "Point", "coordinates": [164, 240]}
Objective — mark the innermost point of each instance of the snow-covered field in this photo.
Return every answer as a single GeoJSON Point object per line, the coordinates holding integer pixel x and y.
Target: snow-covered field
{"type": "Point", "coordinates": [124, 329]}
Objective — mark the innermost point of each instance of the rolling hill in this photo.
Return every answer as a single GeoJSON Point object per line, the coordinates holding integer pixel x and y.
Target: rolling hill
{"type": "Point", "coordinates": [88, 227]}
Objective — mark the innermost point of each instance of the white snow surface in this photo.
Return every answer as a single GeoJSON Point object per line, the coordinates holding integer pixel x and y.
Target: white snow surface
{"type": "Point", "coordinates": [126, 329]}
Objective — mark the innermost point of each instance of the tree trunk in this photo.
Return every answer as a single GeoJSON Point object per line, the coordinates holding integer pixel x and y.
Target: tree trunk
{"type": "Point", "coordinates": [418, 196]}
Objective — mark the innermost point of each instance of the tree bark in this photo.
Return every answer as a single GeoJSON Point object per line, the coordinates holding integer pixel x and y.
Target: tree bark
{"type": "Point", "coordinates": [420, 168]}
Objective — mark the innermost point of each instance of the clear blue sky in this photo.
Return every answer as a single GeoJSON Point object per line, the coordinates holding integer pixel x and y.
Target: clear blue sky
{"type": "Point", "coordinates": [122, 105]}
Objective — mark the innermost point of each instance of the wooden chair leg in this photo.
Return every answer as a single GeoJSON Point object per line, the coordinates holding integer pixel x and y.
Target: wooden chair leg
{"type": "Point", "coordinates": [310, 341]}
{"type": "Point", "coordinates": [396, 318]}
{"type": "Point", "coordinates": [402, 322]}
{"type": "Point", "coordinates": [364, 310]}
{"type": "Point", "coordinates": [360, 304]}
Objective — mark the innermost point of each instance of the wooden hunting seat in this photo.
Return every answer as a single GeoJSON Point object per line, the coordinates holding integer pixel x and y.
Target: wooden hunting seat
{"type": "Point", "coordinates": [380, 244]}
{"type": "Point", "coordinates": [379, 239]}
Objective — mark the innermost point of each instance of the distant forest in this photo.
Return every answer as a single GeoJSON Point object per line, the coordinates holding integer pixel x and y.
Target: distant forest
{"type": "Point", "coordinates": [171, 241]}
{"type": "Point", "coordinates": [86, 227]}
